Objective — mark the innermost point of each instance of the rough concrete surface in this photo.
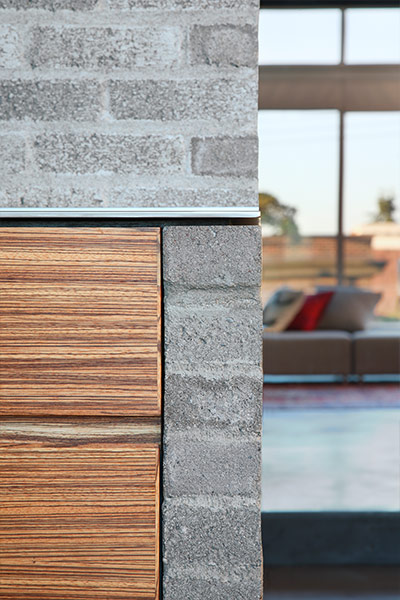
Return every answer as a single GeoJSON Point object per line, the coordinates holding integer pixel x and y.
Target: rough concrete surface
{"type": "Point", "coordinates": [230, 156]}
{"type": "Point", "coordinates": [181, 100]}
{"type": "Point", "coordinates": [207, 400]}
{"type": "Point", "coordinates": [49, 4]}
{"type": "Point", "coordinates": [116, 71]}
{"type": "Point", "coordinates": [69, 153]}
{"type": "Point", "coordinates": [212, 412]}
{"type": "Point", "coordinates": [212, 534]}
{"type": "Point", "coordinates": [213, 257]}
{"type": "Point", "coordinates": [185, 4]}
{"type": "Point", "coordinates": [214, 464]}
{"type": "Point", "coordinates": [185, 588]}
{"type": "Point", "coordinates": [104, 48]}
{"type": "Point", "coordinates": [224, 45]}
{"type": "Point", "coordinates": [50, 100]}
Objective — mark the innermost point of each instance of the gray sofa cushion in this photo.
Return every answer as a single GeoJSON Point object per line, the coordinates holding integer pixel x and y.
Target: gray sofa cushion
{"type": "Point", "coordinates": [350, 309]}
{"type": "Point", "coordinates": [376, 352]}
{"type": "Point", "coordinates": [307, 353]}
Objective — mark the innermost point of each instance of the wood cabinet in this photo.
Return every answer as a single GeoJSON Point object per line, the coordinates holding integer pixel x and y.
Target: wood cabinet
{"type": "Point", "coordinates": [80, 406]}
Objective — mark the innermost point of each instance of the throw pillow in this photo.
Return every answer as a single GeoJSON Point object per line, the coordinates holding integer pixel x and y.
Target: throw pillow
{"type": "Point", "coordinates": [281, 308]}
{"type": "Point", "coordinates": [310, 313]}
{"type": "Point", "coordinates": [350, 308]}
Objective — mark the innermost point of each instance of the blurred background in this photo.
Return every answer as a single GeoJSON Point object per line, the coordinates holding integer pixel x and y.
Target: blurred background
{"type": "Point", "coordinates": [329, 189]}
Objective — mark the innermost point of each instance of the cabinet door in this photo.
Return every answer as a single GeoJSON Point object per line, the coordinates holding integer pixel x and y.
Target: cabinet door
{"type": "Point", "coordinates": [78, 510]}
{"type": "Point", "coordinates": [79, 321]}
{"type": "Point", "coordinates": [80, 407]}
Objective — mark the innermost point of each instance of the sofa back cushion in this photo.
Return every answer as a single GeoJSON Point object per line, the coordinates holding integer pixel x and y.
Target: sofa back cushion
{"type": "Point", "coordinates": [350, 308]}
{"type": "Point", "coordinates": [311, 312]}
{"type": "Point", "coordinates": [281, 308]}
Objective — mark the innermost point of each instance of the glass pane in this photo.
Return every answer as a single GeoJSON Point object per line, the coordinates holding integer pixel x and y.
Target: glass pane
{"type": "Point", "coordinates": [373, 36]}
{"type": "Point", "coordinates": [298, 162]}
{"type": "Point", "coordinates": [372, 202]}
{"type": "Point", "coordinates": [299, 37]}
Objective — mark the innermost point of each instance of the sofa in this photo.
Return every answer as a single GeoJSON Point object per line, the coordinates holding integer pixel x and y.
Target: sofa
{"type": "Point", "coordinates": [328, 333]}
{"type": "Point", "coordinates": [339, 353]}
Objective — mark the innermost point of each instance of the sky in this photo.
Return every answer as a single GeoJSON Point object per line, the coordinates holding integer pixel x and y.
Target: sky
{"type": "Point", "coordinates": [298, 150]}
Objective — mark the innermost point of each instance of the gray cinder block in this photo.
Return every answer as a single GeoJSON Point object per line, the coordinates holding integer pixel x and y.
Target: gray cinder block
{"type": "Point", "coordinates": [169, 196]}
{"type": "Point", "coordinates": [207, 336]}
{"type": "Point", "coordinates": [198, 464]}
{"type": "Point", "coordinates": [212, 412]}
{"type": "Point", "coordinates": [105, 48]}
{"type": "Point", "coordinates": [35, 196]}
{"type": "Point", "coordinates": [49, 100]}
{"type": "Point", "coordinates": [227, 156]}
{"type": "Point", "coordinates": [163, 100]}
{"type": "Point", "coordinates": [70, 153]}
{"type": "Point", "coordinates": [219, 588]}
{"type": "Point", "coordinates": [186, 4]}
{"type": "Point", "coordinates": [10, 47]}
{"type": "Point", "coordinates": [226, 401]}
{"type": "Point", "coordinates": [209, 257]}
{"type": "Point", "coordinates": [12, 154]}
{"type": "Point", "coordinates": [49, 4]}
{"type": "Point", "coordinates": [218, 534]}
{"type": "Point", "coordinates": [224, 45]}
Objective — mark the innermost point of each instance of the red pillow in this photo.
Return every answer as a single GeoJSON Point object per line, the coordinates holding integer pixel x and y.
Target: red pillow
{"type": "Point", "coordinates": [311, 312]}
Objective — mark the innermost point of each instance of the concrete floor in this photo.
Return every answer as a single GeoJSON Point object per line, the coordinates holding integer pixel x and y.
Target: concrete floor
{"type": "Point", "coordinates": [332, 583]}
{"type": "Point", "coordinates": [331, 449]}
{"type": "Point", "coordinates": [328, 459]}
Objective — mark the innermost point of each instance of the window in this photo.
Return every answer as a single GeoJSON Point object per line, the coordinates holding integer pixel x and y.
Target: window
{"type": "Point", "coordinates": [329, 182]}
{"type": "Point", "coordinates": [372, 36]}
{"type": "Point", "coordinates": [298, 161]}
{"type": "Point", "coordinates": [372, 165]}
{"type": "Point", "coordinates": [299, 37]}
{"type": "Point", "coordinates": [330, 193]}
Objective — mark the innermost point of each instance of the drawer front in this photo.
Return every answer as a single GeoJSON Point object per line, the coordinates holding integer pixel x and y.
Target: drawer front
{"type": "Point", "coordinates": [79, 510]}
{"type": "Point", "coordinates": [79, 321]}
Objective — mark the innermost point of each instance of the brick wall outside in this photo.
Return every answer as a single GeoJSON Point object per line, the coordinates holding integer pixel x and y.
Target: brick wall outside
{"type": "Point", "coordinates": [128, 103]}
{"type": "Point", "coordinates": [312, 262]}
{"type": "Point", "coordinates": [314, 248]}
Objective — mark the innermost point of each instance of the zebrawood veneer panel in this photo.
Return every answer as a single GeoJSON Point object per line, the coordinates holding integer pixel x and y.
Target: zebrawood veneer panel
{"type": "Point", "coordinates": [79, 321]}
{"type": "Point", "coordinates": [78, 523]}
{"type": "Point", "coordinates": [80, 431]}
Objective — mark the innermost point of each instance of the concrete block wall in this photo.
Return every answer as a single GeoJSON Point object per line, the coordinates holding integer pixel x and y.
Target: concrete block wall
{"type": "Point", "coordinates": [212, 413]}
{"type": "Point", "coordinates": [128, 103]}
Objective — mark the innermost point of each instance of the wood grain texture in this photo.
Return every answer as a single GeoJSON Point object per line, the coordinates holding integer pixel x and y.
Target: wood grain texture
{"type": "Point", "coordinates": [79, 321]}
{"type": "Point", "coordinates": [78, 523]}
{"type": "Point", "coordinates": [80, 431]}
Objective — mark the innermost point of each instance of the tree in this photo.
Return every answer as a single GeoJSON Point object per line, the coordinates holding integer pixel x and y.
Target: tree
{"type": "Point", "coordinates": [279, 216]}
{"type": "Point", "coordinates": [386, 210]}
